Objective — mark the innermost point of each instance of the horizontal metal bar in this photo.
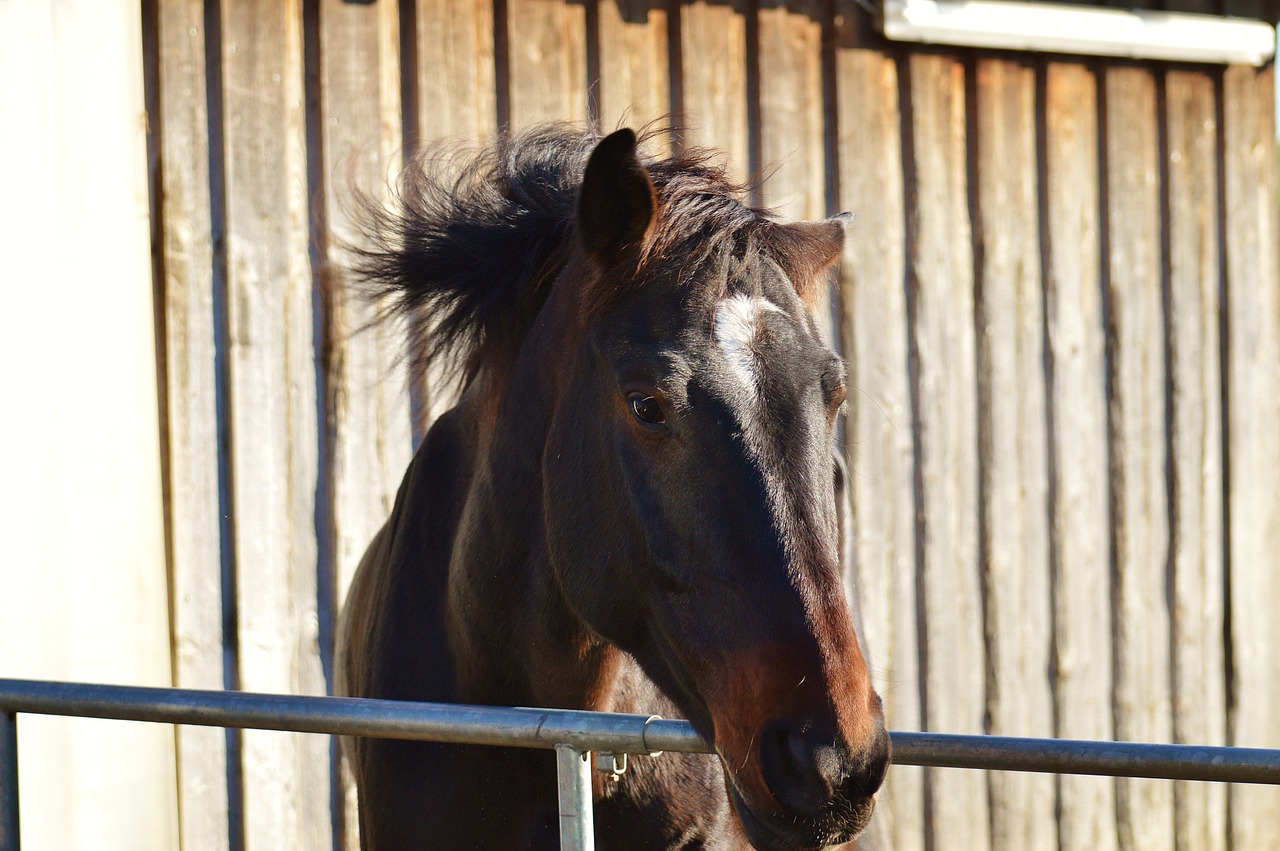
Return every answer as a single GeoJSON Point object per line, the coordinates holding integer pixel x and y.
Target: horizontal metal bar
{"type": "Point", "coordinates": [347, 716]}
{"type": "Point", "coordinates": [600, 731]}
{"type": "Point", "coordinates": [1071, 756]}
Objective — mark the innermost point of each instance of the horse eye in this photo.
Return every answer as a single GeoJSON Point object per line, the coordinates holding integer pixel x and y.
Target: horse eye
{"type": "Point", "coordinates": [646, 409]}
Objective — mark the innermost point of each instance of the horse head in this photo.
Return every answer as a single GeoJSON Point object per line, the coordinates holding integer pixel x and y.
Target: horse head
{"type": "Point", "coordinates": [691, 489]}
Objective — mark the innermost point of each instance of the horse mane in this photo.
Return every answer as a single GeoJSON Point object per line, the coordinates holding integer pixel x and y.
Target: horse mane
{"type": "Point", "coordinates": [472, 240]}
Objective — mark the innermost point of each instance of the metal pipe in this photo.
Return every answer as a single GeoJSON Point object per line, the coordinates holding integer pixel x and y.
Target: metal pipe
{"type": "Point", "coordinates": [545, 728]}
{"type": "Point", "coordinates": [392, 719]}
{"type": "Point", "coordinates": [1070, 756]}
{"type": "Point", "coordinates": [573, 781]}
{"type": "Point", "coordinates": [9, 837]}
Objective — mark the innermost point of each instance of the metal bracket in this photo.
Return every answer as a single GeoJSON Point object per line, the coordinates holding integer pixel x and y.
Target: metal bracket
{"type": "Point", "coordinates": [613, 765]}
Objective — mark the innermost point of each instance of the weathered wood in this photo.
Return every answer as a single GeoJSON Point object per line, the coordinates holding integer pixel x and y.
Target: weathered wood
{"type": "Point", "coordinates": [713, 52]}
{"type": "Point", "coordinates": [1081, 555]}
{"type": "Point", "coordinates": [1199, 677]}
{"type": "Point", "coordinates": [1246, 8]}
{"type": "Point", "coordinates": [273, 396]}
{"type": "Point", "coordinates": [1138, 447]}
{"type": "Point", "coordinates": [1202, 7]}
{"type": "Point", "coordinates": [1014, 444]}
{"type": "Point", "coordinates": [547, 43]}
{"type": "Point", "coordinates": [456, 78]}
{"type": "Point", "coordinates": [879, 423]}
{"type": "Point", "coordinates": [1048, 581]}
{"type": "Point", "coordinates": [195, 557]}
{"type": "Point", "coordinates": [368, 402]}
{"type": "Point", "coordinates": [1253, 436]}
{"type": "Point", "coordinates": [82, 538]}
{"type": "Point", "coordinates": [791, 119]}
{"type": "Point", "coordinates": [635, 74]}
{"type": "Point", "coordinates": [940, 281]}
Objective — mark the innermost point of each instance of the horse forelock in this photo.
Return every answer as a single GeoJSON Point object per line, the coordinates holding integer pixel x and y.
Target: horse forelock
{"type": "Point", "coordinates": [473, 240]}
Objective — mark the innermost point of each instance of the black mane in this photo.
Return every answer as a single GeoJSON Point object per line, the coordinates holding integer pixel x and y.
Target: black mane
{"type": "Point", "coordinates": [473, 240]}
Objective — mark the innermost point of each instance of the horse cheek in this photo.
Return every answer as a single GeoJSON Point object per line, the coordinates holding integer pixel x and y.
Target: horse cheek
{"type": "Point", "coordinates": [585, 530]}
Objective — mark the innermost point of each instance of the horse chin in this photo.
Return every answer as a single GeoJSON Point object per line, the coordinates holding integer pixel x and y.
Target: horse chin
{"type": "Point", "coordinates": [772, 832]}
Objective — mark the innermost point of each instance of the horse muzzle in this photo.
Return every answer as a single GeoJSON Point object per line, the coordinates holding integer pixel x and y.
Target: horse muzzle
{"type": "Point", "coordinates": [819, 793]}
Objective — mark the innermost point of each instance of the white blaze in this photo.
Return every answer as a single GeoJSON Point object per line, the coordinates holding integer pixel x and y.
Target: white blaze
{"type": "Point", "coordinates": [738, 319]}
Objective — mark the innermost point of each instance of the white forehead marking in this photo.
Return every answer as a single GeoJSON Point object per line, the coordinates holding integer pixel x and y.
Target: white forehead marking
{"type": "Point", "coordinates": [737, 323]}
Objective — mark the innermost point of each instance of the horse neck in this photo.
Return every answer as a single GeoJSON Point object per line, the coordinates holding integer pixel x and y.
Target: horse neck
{"type": "Point", "coordinates": [514, 638]}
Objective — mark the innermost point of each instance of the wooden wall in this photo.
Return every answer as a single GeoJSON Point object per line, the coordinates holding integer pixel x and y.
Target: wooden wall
{"type": "Point", "coordinates": [83, 582]}
{"type": "Point", "coordinates": [1059, 305]}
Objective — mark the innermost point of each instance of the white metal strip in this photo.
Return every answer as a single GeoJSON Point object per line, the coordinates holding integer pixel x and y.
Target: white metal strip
{"type": "Point", "coordinates": [1059, 28]}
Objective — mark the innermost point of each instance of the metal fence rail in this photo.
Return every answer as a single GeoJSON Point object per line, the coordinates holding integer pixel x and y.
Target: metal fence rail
{"type": "Point", "coordinates": [573, 734]}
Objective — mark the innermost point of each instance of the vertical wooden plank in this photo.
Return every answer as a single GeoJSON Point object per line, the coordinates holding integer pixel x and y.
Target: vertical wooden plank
{"type": "Point", "coordinates": [941, 304]}
{"type": "Point", "coordinates": [547, 42]}
{"type": "Point", "coordinates": [713, 51]}
{"type": "Point", "coordinates": [194, 527]}
{"type": "Point", "coordinates": [1253, 435]}
{"type": "Point", "coordinates": [82, 539]}
{"type": "Point", "coordinates": [368, 402]}
{"type": "Point", "coordinates": [456, 81]}
{"type": "Point", "coordinates": [273, 398]}
{"type": "Point", "coordinates": [1014, 444]}
{"type": "Point", "coordinates": [1081, 518]}
{"type": "Point", "coordinates": [635, 78]}
{"type": "Point", "coordinates": [1199, 677]}
{"type": "Point", "coordinates": [1139, 447]}
{"type": "Point", "coordinates": [33, 564]}
{"type": "Point", "coordinates": [879, 423]}
{"type": "Point", "coordinates": [455, 75]}
{"type": "Point", "coordinates": [791, 119]}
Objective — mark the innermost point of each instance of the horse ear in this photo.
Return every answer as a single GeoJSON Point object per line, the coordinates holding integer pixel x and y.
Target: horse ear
{"type": "Point", "coordinates": [617, 202]}
{"type": "Point", "coordinates": [807, 249]}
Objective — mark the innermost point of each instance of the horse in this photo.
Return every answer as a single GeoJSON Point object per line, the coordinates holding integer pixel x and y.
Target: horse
{"type": "Point", "coordinates": [633, 507]}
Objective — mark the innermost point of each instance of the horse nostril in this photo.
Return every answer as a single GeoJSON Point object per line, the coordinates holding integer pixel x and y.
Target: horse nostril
{"type": "Point", "coordinates": [800, 770]}
{"type": "Point", "coordinates": [868, 777]}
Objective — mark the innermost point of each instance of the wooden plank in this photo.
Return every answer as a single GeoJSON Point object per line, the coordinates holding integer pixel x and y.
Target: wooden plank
{"type": "Point", "coordinates": [635, 73]}
{"type": "Point", "coordinates": [368, 404]}
{"type": "Point", "coordinates": [1253, 435]}
{"type": "Point", "coordinates": [1139, 449]}
{"type": "Point", "coordinates": [1080, 514]}
{"type": "Point", "coordinates": [82, 554]}
{"type": "Point", "coordinates": [1014, 444]}
{"type": "Point", "coordinates": [1202, 7]}
{"type": "Point", "coordinates": [195, 568]}
{"type": "Point", "coordinates": [713, 50]}
{"type": "Point", "coordinates": [547, 42]}
{"type": "Point", "coordinates": [456, 79]}
{"type": "Point", "coordinates": [791, 120]}
{"type": "Point", "coordinates": [941, 277]}
{"type": "Point", "coordinates": [273, 399]}
{"type": "Point", "coordinates": [33, 563]}
{"type": "Point", "coordinates": [1199, 676]}
{"type": "Point", "coordinates": [879, 422]}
